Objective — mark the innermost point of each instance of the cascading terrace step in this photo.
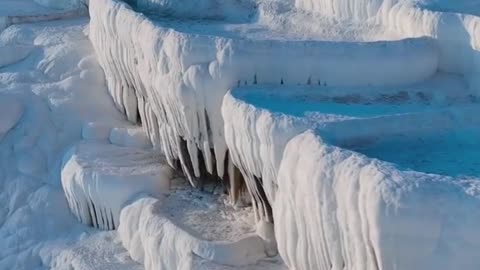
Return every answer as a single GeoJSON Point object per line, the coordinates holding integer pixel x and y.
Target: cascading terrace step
{"type": "Point", "coordinates": [99, 179]}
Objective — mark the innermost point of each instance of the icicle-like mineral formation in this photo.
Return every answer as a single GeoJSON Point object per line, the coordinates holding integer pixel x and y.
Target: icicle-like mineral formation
{"type": "Point", "coordinates": [173, 81]}
{"type": "Point", "coordinates": [333, 208]}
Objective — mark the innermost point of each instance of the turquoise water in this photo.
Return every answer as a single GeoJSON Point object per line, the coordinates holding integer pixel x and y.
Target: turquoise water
{"type": "Point", "coordinates": [449, 152]}
{"type": "Point", "coordinates": [298, 106]}
{"type": "Point", "coordinates": [455, 6]}
{"type": "Point", "coordinates": [455, 153]}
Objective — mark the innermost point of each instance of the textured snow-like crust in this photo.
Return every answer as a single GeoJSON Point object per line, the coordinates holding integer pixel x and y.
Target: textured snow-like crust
{"type": "Point", "coordinates": [99, 179]}
{"type": "Point", "coordinates": [155, 241]}
{"type": "Point", "coordinates": [368, 214]}
{"type": "Point", "coordinates": [175, 81]}
{"type": "Point", "coordinates": [46, 97]}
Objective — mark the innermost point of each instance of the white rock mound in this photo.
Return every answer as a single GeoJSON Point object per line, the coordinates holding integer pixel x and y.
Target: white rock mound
{"type": "Point", "coordinates": [99, 179]}
{"type": "Point", "coordinates": [154, 240]}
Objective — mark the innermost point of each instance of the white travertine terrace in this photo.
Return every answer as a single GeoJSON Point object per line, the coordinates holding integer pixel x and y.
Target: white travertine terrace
{"type": "Point", "coordinates": [337, 209]}
{"type": "Point", "coordinates": [332, 208]}
{"type": "Point", "coordinates": [174, 81]}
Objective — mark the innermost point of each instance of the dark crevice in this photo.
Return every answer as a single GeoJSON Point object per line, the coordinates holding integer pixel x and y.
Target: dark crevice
{"type": "Point", "coordinates": [101, 215]}
{"type": "Point", "coordinates": [90, 218]}
{"type": "Point", "coordinates": [109, 225]}
{"type": "Point", "coordinates": [186, 162]}
{"type": "Point", "coordinates": [257, 194]}
{"type": "Point", "coordinates": [95, 224]}
{"type": "Point", "coordinates": [139, 118]}
{"type": "Point", "coordinates": [207, 122]}
{"type": "Point", "coordinates": [263, 199]}
{"type": "Point", "coordinates": [233, 182]}
{"type": "Point", "coordinates": [113, 227]}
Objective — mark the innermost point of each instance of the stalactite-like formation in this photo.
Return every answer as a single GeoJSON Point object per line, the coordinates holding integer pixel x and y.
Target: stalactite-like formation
{"type": "Point", "coordinates": [175, 81]}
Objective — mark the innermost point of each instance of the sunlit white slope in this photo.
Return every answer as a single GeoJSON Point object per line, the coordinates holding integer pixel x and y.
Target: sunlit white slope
{"type": "Point", "coordinates": [49, 86]}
